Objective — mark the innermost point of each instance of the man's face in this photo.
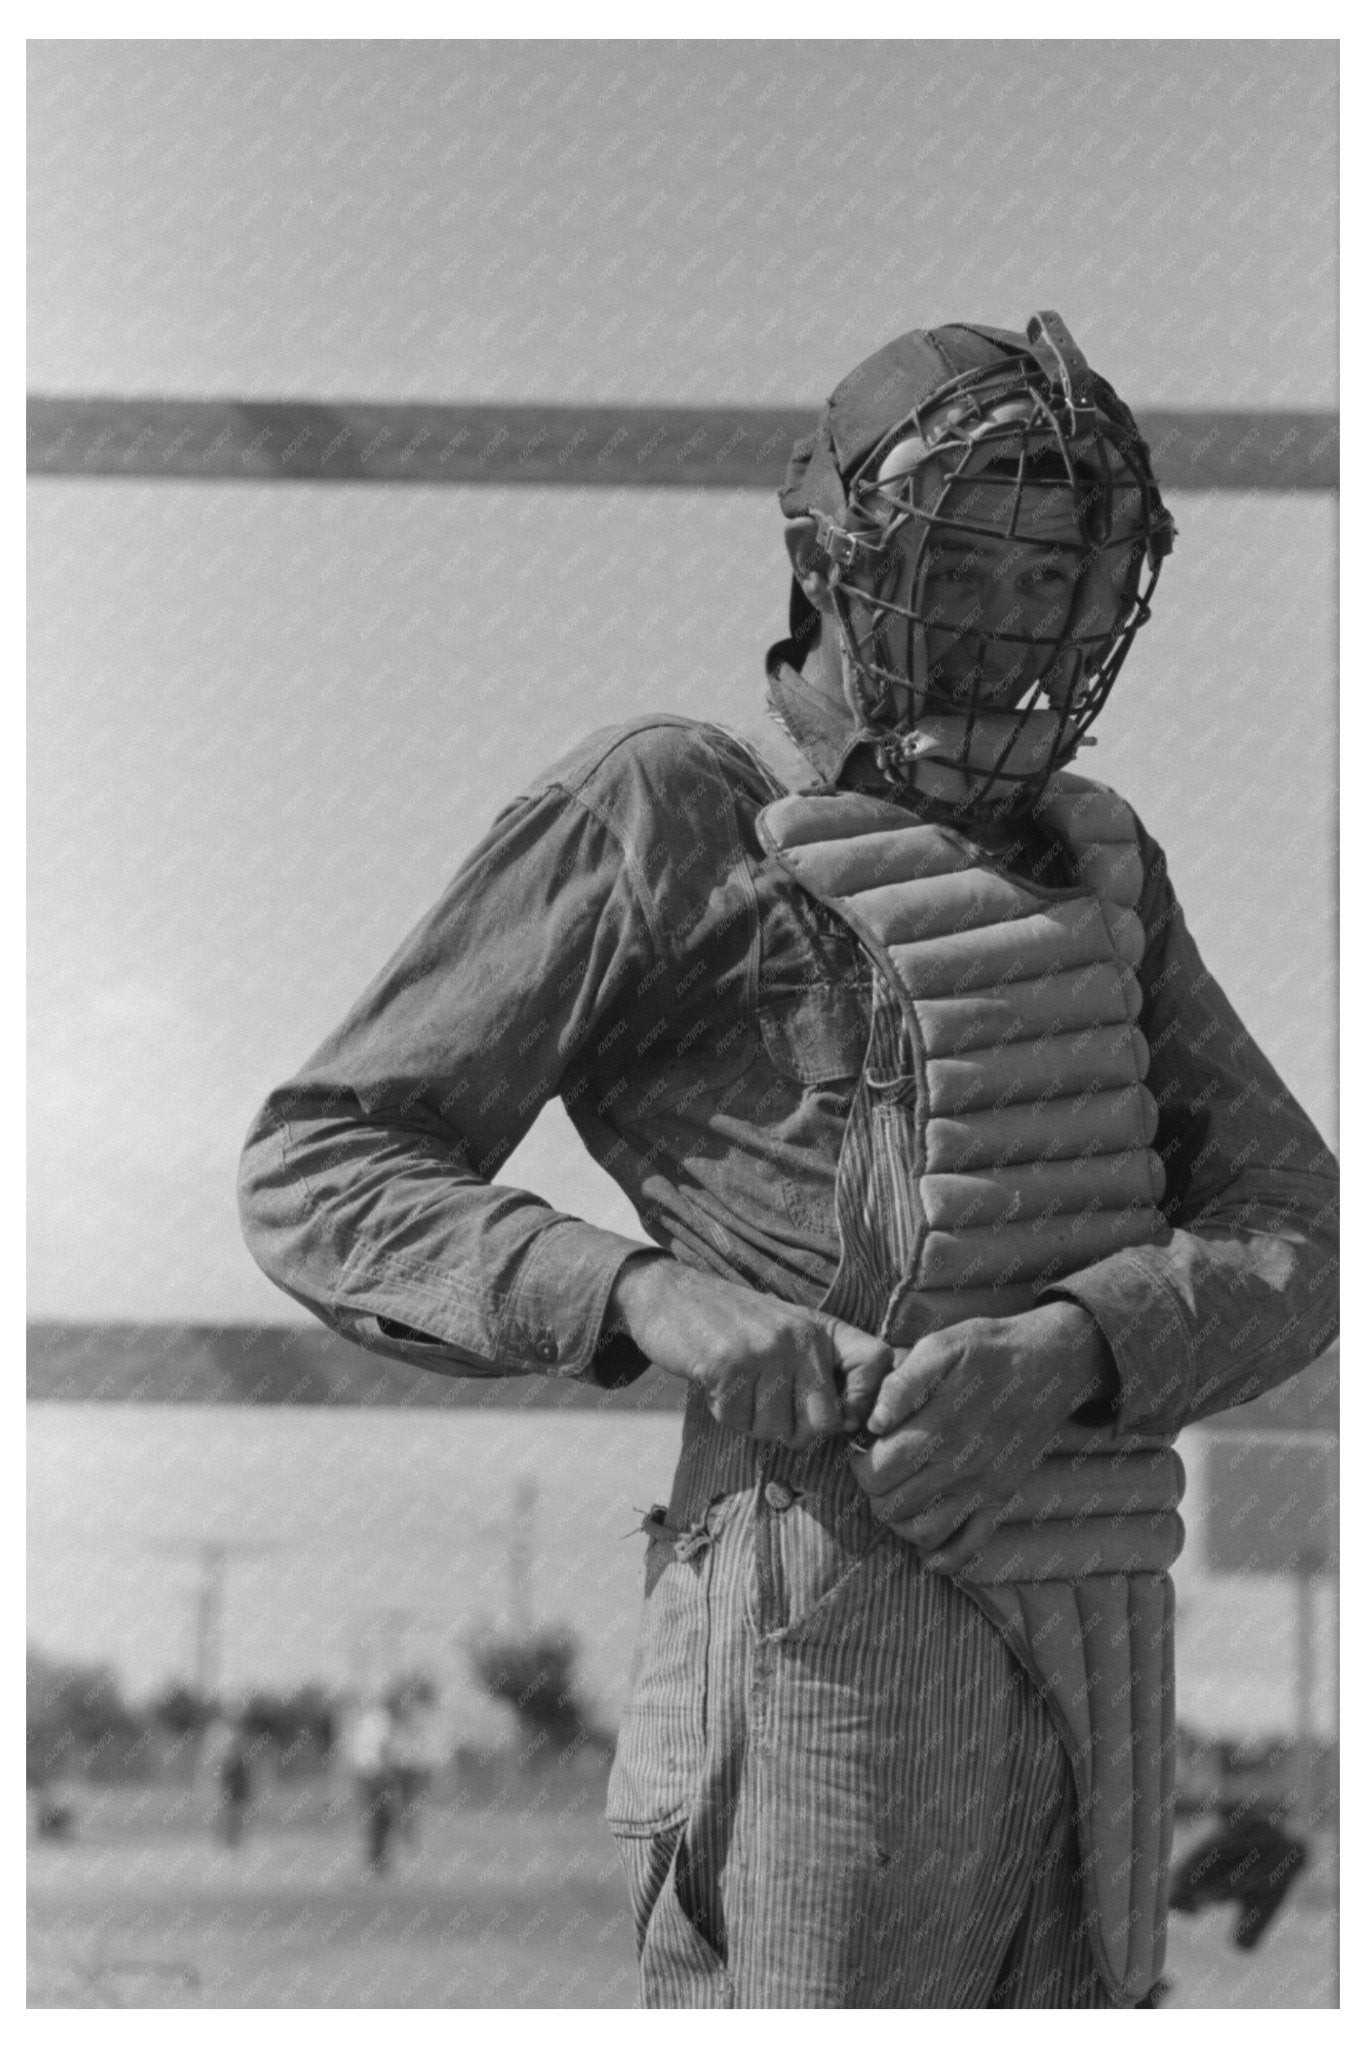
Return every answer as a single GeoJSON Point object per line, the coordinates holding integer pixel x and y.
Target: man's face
{"type": "Point", "coordinates": [995, 602]}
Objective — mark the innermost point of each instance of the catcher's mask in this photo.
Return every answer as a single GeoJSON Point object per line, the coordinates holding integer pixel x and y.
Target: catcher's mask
{"type": "Point", "coordinates": [992, 534]}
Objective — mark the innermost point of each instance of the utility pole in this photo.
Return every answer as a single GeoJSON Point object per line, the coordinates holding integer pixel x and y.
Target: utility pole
{"type": "Point", "coordinates": [214, 1555]}
{"type": "Point", "coordinates": [208, 1632]}
{"type": "Point", "coordinates": [521, 1549]}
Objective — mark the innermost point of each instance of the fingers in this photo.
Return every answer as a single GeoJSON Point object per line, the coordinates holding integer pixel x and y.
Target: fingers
{"type": "Point", "coordinates": [833, 1377]}
{"type": "Point", "coordinates": [949, 1533]}
{"type": "Point", "coordinates": [766, 1405]}
{"type": "Point", "coordinates": [817, 1408]}
{"type": "Point", "coordinates": [896, 1500]}
{"type": "Point", "coordinates": [731, 1403]}
{"type": "Point", "coordinates": [862, 1363]}
{"type": "Point", "coordinates": [903, 1462]}
{"type": "Point", "coordinates": [913, 1378]}
{"type": "Point", "coordinates": [790, 1376]}
{"type": "Point", "coordinates": [902, 1395]}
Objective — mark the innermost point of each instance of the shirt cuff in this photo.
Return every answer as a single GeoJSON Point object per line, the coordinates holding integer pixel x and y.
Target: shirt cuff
{"type": "Point", "coordinates": [1143, 1323]}
{"type": "Point", "coordinates": [556, 1318]}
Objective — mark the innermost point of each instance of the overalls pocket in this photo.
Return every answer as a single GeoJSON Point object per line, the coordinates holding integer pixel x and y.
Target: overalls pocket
{"type": "Point", "coordinates": [679, 1939]}
{"type": "Point", "coordinates": [661, 1746]}
{"type": "Point", "coordinates": [815, 1535]}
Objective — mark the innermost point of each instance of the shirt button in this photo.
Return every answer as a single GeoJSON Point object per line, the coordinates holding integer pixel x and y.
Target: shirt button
{"type": "Point", "coordinates": [778, 1495]}
{"type": "Point", "coordinates": [546, 1349]}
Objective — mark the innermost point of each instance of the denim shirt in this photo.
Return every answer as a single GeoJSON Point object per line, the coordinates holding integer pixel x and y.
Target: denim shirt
{"type": "Point", "coordinates": [620, 939]}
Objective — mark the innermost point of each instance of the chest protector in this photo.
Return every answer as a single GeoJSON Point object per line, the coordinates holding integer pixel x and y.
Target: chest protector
{"type": "Point", "coordinates": [1004, 1142]}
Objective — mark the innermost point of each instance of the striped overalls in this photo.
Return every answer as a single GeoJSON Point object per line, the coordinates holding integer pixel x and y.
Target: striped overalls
{"type": "Point", "coordinates": [835, 1786]}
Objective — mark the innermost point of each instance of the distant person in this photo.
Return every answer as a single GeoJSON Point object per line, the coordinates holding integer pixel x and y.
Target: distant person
{"type": "Point", "coordinates": [52, 1809]}
{"type": "Point", "coordinates": [369, 1754]}
{"type": "Point", "coordinates": [966, 1190]}
{"type": "Point", "coordinates": [1250, 1860]}
{"type": "Point", "coordinates": [226, 1757]}
{"type": "Point", "coordinates": [417, 1751]}
{"type": "Point", "coordinates": [54, 1814]}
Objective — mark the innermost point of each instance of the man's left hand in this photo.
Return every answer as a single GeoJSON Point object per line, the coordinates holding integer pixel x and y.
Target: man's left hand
{"type": "Point", "coordinates": [968, 1413]}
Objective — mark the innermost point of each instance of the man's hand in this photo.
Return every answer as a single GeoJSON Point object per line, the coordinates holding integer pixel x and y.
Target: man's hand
{"type": "Point", "coordinates": [770, 1369]}
{"type": "Point", "coordinates": [967, 1414]}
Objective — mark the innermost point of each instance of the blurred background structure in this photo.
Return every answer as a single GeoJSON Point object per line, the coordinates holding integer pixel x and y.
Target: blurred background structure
{"type": "Point", "coordinates": [402, 411]}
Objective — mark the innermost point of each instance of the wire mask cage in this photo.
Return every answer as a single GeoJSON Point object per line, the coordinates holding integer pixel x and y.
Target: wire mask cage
{"type": "Point", "coordinates": [1001, 448]}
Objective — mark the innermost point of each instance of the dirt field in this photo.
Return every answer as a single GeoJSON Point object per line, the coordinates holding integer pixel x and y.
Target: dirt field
{"type": "Point", "coordinates": [496, 1908]}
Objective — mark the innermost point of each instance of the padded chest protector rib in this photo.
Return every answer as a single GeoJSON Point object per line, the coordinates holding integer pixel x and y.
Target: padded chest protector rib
{"type": "Point", "coordinates": [1022, 1155]}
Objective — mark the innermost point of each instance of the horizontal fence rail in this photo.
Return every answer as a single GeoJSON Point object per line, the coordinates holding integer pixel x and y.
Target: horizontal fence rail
{"type": "Point", "coordinates": [650, 446]}
{"type": "Point", "coordinates": [286, 1365]}
{"type": "Point", "coordinates": [303, 1365]}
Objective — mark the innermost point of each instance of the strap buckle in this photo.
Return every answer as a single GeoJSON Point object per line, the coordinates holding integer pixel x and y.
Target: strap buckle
{"type": "Point", "coordinates": [1065, 368]}
{"type": "Point", "coordinates": [835, 541]}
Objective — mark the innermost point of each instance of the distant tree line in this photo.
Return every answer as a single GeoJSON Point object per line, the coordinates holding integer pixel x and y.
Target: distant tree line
{"type": "Point", "coordinates": [81, 1725]}
{"type": "Point", "coordinates": [536, 1675]}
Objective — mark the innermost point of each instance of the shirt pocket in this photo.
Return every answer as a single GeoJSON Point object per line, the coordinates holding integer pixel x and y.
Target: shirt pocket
{"type": "Point", "coordinates": [815, 1035]}
{"type": "Point", "coordinates": [812, 1041]}
{"type": "Point", "coordinates": [812, 997]}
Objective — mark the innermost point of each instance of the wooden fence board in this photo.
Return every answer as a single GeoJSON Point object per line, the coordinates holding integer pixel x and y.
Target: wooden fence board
{"type": "Point", "coordinates": [304, 1365]}
{"type": "Point", "coordinates": [647, 447]}
{"type": "Point", "coordinates": [275, 1365]}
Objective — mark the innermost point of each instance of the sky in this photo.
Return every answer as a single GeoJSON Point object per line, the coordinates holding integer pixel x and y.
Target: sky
{"type": "Point", "coordinates": [267, 722]}
{"type": "Point", "coordinates": [734, 222]}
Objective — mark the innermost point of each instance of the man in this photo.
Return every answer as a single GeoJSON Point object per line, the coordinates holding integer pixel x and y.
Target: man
{"type": "Point", "coordinates": [966, 1190]}
{"type": "Point", "coordinates": [418, 1751]}
{"type": "Point", "coordinates": [368, 1745]}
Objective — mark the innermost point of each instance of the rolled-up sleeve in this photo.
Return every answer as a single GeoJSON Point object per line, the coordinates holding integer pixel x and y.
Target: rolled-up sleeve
{"type": "Point", "coordinates": [365, 1187]}
{"type": "Point", "coordinates": [1240, 1290]}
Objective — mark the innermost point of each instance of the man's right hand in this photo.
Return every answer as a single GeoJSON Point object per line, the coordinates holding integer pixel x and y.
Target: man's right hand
{"type": "Point", "coordinates": [769, 1368]}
